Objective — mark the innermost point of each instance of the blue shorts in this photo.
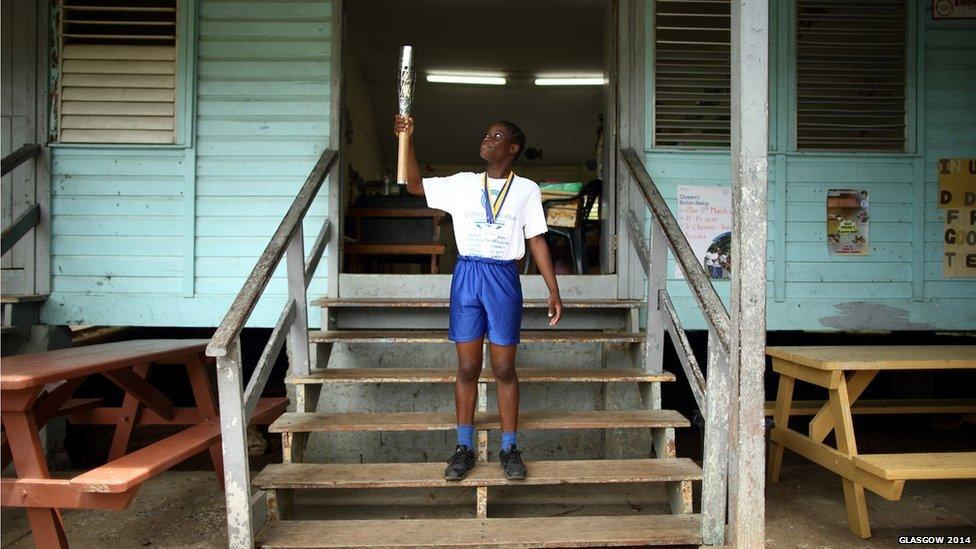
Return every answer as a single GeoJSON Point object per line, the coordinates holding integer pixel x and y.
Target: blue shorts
{"type": "Point", "coordinates": [486, 297]}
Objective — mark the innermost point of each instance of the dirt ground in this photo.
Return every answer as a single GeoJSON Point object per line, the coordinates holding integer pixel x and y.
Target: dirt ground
{"type": "Point", "coordinates": [804, 510]}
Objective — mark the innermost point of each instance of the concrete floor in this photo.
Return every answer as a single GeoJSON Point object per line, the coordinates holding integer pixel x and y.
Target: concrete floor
{"type": "Point", "coordinates": [805, 510]}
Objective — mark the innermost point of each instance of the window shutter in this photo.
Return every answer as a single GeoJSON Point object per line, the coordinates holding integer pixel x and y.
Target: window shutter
{"type": "Point", "coordinates": [692, 83]}
{"type": "Point", "coordinates": [118, 71]}
{"type": "Point", "coordinates": [850, 92]}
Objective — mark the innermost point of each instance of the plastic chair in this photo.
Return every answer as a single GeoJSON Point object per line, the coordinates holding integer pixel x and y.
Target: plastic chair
{"type": "Point", "coordinates": [588, 196]}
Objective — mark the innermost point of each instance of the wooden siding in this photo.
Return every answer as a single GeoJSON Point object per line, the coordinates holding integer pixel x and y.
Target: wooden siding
{"type": "Point", "coordinates": [899, 286]}
{"type": "Point", "coordinates": [121, 214]}
{"type": "Point", "coordinates": [122, 220]}
{"type": "Point", "coordinates": [950, 132]}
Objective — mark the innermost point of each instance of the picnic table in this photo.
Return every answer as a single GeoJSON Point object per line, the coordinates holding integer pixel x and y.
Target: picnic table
{"type": "Point", "coordinates": [846, 371]}
{"type": "Point", "coordinates": [38, 387]}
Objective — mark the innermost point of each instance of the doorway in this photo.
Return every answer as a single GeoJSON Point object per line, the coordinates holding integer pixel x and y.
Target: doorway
{"type": "Point", "coordinates": [565, 126]}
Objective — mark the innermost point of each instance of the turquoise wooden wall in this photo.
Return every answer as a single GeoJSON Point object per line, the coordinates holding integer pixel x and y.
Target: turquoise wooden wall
{"type": "Point", "coordinates": [899, 286]}
{"type": "Point", "coordinates": [164, 236]}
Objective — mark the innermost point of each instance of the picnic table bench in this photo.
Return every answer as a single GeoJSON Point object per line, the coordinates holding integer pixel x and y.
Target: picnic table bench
{"type": "Point", "coordinates": [36, 388]}
{"type": "Point", "coordinates": [846, 371]}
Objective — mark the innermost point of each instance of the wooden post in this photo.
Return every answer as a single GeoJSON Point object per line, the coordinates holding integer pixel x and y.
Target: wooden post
{"type": "Point", "coordinates": [718, 406]}
{"type": "Point", "coordinates": [297, 347]}
{"type": "Point", "coordinates": [750, 142]}
{"type": "Point", "coordinates": [481, 492]}
{"type": "Point", "coordinates": [233, 436]}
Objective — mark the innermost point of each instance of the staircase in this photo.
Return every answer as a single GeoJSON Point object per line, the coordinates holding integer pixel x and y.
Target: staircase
{"type": "Point", "coordinates": [282, 481]}
{"type": "Point", "coordinates": [630, 357]}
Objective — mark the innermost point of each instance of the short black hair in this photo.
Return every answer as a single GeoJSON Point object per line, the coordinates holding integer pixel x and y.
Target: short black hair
{"type": "Point", "coordinates": [517, 135]}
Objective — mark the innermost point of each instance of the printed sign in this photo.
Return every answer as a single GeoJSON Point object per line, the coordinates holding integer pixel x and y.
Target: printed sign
{"type": "Point", "coordinates": [705, 216]}
{"type": "Point", "coordinates": [953, 9]}
{"type": "Point", "coordinates": [957, 182]}
{"type": "Point", "coordinates": [957, 198]}
{"type": "Point", "coordinates": [847, 222]}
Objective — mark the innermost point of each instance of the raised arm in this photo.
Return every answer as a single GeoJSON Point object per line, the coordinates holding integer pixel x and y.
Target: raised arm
{"type": "Point", "coordinates": [415, 183]}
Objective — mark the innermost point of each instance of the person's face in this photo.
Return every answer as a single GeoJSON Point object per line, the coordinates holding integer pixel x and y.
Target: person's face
{"type": "Point", "coordinates": [497, 144]}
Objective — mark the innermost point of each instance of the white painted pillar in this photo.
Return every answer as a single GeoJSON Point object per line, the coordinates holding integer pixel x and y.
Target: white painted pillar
{"type": "Point", "coordinates": [750, 142]}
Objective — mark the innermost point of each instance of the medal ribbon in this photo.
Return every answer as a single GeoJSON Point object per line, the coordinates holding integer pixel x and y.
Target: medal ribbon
{"type": "Point", "coordinates": [491, 212]}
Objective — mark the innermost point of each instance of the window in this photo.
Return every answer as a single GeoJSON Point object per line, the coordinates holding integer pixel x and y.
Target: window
{"type": "Point", "coordinates": [850, 90]}
{"type": "Point", "coordinates": [692, 83]}
{"type": "Point", "coordinates": [117, 71]}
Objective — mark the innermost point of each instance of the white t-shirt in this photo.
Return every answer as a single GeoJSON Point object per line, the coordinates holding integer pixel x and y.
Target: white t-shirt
{"type": "Point", "coordinates": [462, 196]}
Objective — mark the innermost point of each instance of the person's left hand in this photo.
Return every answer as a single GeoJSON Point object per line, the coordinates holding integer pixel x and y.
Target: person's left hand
{"type": "Point", "coordinates": [555, 309]}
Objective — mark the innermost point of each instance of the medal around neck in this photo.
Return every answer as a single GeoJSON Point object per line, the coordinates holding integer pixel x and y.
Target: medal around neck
{"type": "Point", "coordinates": [493, 207]}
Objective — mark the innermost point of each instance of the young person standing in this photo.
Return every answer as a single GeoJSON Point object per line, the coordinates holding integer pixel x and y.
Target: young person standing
{"type": "Point", "coordinates": [494, 214]}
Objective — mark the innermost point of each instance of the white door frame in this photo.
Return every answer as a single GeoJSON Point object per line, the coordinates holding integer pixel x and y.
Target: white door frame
{"type": "Point", "coordinates": [623, 127]}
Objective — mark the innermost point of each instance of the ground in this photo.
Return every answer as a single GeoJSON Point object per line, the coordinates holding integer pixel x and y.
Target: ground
{"type": "Point", "coordinates": [805, 509]}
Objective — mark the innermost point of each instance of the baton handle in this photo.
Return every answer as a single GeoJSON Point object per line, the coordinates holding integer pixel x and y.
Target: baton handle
{"type": "Point", "coordinates": [401, 178]}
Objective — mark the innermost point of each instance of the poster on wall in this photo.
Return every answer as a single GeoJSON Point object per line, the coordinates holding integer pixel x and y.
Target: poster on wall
{"type": "Point", "coordinates": [957, 198]}
{"type": "Point", "coordinates": [953, 9]}
{"type": "Point", "coordinates": [705, 216]}
{"type": "Point", "coordinates": [847, 221]}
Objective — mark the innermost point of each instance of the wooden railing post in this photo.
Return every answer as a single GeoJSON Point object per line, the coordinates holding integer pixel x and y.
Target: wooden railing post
{"type": "Point", "coordinates": [233, 438]}
{"type": "Point", "coordinates": [679, 493]}
{"type": "Point", "coordinates": [297, 347]}
{"type": "Point", "coordinates": [236, 406]}
{"type": "Point", "coordinates": [715, 467]}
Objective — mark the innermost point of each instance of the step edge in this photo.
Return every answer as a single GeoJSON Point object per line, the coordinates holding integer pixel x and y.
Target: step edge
{"type": "Point", "coordinates": [682, 529]}
{"type": "Point", "coordinates": [436, 303]}
{"type": "Point", "coordinates": [692, 472]}
{"type": "Point", "coordinates": [636, 376]}
{"type": "Point", "coordinates": [677, 422]}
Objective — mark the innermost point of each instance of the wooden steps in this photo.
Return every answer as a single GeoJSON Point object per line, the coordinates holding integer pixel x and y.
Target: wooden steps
{"type": "Point", "coordinates": [443, 421]}
{"type": "Point", "coordinates": [641, 530]}
{"type": "Point", "coordinates": [449, 375]}
{"type": "Point", "coordinates": [440, 336]}
{"type": "Point", "coordinates": [431, 475]}
{"type": "Point", "coordinates": [443, 303]}
{"type": "Point", "coordinates": [921, 466]}
{"type": "Point", "coordinates": [364, 318]}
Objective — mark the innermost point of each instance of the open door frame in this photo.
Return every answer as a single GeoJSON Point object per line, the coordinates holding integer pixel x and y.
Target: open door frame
{"type": "Point", "coordinates": [623, 127]}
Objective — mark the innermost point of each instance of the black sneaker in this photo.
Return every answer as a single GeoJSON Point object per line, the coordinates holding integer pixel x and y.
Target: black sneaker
{"type": "Point", "coordinates": [460, 463]}
{"type": "Point", "coordinates": [511, 462]}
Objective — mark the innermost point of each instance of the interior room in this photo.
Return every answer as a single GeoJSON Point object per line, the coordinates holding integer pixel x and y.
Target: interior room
{"type": "Point", "coordinates": [539, 64]}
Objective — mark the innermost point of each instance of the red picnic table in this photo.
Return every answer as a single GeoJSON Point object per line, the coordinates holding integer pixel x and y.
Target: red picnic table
{"type": "Point", "coordinates": [36, 388]}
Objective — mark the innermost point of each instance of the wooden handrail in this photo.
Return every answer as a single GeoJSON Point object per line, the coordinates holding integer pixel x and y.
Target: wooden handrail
{"type": "Point", "coordinates": [240, 310]}
{"type": "Point", "coordinates": [708, 300]}
{"type": "Point", "coordinates": [18, 157]}
{"type": "Point", "coordinates": [21, 226]}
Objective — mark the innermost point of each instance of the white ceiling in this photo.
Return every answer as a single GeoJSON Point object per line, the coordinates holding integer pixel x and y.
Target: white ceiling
{"type": "Point", "coordinates": [518, 37]}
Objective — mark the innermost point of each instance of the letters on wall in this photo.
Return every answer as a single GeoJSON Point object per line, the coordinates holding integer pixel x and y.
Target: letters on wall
{"type": "Point", "coordinates": [957, 198]}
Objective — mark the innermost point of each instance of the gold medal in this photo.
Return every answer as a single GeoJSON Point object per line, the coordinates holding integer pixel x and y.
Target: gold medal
{"type": "Point", "coordinates": [493, 207]}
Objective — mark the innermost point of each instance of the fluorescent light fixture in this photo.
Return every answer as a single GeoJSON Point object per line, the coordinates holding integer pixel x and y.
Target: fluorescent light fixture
{"type": "Point", "coordinates": [489, 79]}
{"type": "Point", "coordinates": [570, 81]}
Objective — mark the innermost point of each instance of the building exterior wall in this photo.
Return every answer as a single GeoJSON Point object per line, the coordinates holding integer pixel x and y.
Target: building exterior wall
{"type": "Point", "coordinates": [165, 236]}
{"type": "Point", "coordinates": [899, 286]}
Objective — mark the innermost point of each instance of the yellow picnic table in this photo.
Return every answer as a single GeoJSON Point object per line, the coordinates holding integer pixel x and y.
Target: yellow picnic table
{"type": "Point", "coordinates": [846, 371]}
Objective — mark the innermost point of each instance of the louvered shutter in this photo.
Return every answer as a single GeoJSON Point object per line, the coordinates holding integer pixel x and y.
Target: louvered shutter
{"type": "Point", "coordinates": [850, 92]}
{"type": "Point", "coordinates": [118, 71]}
{"type": "Point", "coordinates": [692, 83]}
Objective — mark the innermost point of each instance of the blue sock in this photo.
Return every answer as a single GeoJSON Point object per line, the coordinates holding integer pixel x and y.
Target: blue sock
{"type": "Point", "coordinates": [508, 440]}
{"type": "Point", "coordinates": [465, 436]}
